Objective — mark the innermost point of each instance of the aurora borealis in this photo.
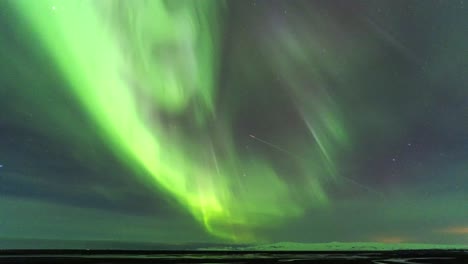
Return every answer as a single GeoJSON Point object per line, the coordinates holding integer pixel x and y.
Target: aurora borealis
{"type": "Point", "coordinates": [236, 121]}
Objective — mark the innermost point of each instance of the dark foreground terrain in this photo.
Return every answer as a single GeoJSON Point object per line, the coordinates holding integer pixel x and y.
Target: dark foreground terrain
{"type": "Point", "coordinates": [106, 256]}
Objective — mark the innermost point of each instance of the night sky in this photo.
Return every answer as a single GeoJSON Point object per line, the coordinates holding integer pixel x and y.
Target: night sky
{"type": "Point", "coordinates": [234, 122]}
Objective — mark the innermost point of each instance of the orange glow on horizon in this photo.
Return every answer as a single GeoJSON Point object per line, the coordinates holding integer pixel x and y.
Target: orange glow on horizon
{"type": "Point", "coordinates": [390, 239]}
{"type": "Point", "coordinates": [455, 230]}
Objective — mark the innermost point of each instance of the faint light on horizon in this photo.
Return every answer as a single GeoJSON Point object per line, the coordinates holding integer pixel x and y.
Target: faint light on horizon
{"type": "Point", "coordinates": [390, 239]}
{"type": "Point", "coordinates": [455, 230]}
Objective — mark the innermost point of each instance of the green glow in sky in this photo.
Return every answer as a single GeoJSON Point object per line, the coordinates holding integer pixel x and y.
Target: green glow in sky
{"type": "Point", "coordinates": [140, 68]}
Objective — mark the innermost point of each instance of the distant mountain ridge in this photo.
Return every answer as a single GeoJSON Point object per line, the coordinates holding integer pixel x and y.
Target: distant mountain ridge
{"type": "Point", "coordinates": [64, 244]}
{"type": "Point", "coordinates": [43, 244]}
{"type": "Point", "coordinates": [340, 246]}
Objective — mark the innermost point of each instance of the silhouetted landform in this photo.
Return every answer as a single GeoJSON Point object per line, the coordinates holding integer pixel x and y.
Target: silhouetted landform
{"type": "Point", "coordinates": [340, 246]}
{"type": "Point", "coordinates": [135, 256]}
{"type": "Point", "coordinates": [75, 244]}
{"type": "Point", "coordinates": [75, 252]}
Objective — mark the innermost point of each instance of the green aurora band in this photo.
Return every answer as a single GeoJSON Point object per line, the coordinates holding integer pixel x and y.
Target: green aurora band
{"type": "Point", "coordinates": [141, 69]}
